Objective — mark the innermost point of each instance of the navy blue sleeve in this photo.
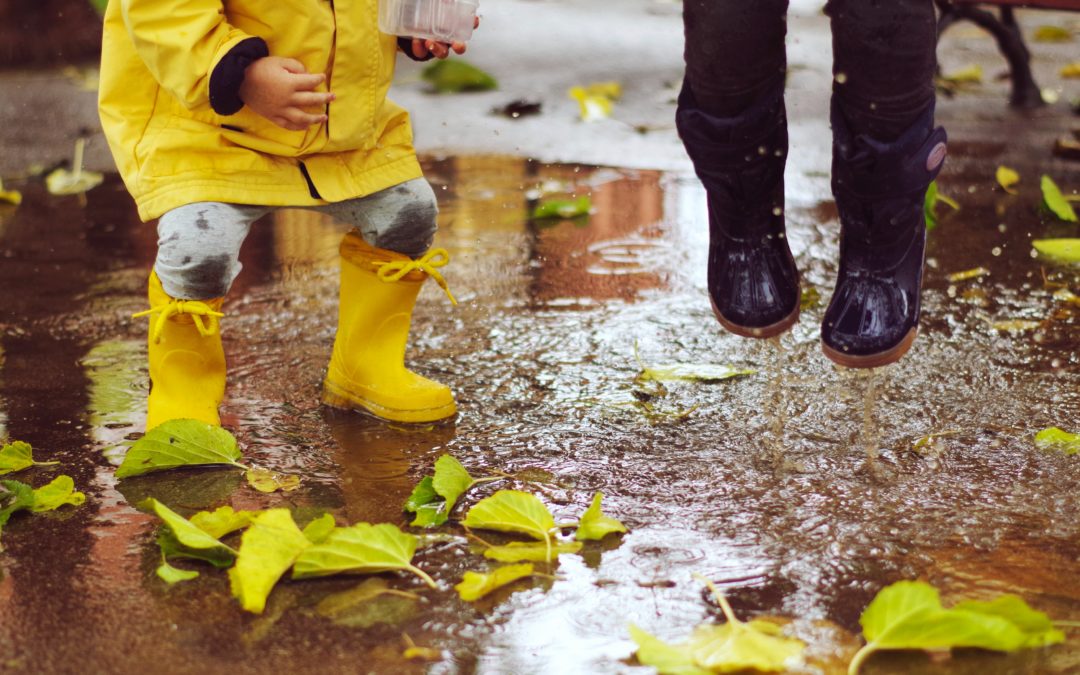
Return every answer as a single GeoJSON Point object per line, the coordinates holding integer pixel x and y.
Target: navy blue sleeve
{"type": "Point", "coordinates": [227, 77]}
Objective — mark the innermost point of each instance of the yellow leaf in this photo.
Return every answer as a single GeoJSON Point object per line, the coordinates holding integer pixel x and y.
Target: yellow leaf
{"type": "Point", "coordinates": [968, 274]}
{"type": "Point", "coordinates": [265, 480]}
{"type": "Point", "coordinates": [1071, 70]}
{"type": "Point", "coordinates": [973, 73]}
{"type": "Point", "coordinates": [1007, 178]}
{"type": "Point", "coordinates": [1016, 325]}
{"type": "Point", "coordinates": [1067, 296]}
{"type": "Point", "coordinates": [1062, 250]}
{"type": "Point", "coordinates": [10, 196]}
{"type": "Point", "coordinates": [596, 99]}
{"type": "Point", "coordinates": [475, 585]}
{"type": "Point", "coordinates": [1052, 34]}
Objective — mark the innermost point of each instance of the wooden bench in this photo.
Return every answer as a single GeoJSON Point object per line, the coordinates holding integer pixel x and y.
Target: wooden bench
{"type": "Point", "coordinates": [1025, 92]}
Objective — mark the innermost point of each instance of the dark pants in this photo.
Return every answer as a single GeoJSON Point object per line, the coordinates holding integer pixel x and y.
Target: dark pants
{"type": "Point", "coordinates": [883, 58]}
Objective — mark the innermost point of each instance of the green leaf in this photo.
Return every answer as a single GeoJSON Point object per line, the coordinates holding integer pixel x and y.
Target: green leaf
{"type": "Point", "coordinates": [100, 5]}
{"type": "Point", "coordinates": [424, 493]}
{"type": "Point", "coordinates": [17, 456]}
{"type": "Point", "coordinates": [319, 529]}
{"type": "Point", "coordinates": [222, 521]}
{"type": "Point", "coordinates": [361, 549]}
{"type": "Point", "coordinates": [1055, 201]}
{"type": "Point", "coordinates": [594, 524]}
{"type": "Point", "coordinates": [451, 480]}
{"type": "Point", "coordinates": [736, 646]}
{"type": "Point", "coordinates": [265, 480]}
{"type": "Point", "coordinates": [268, 549]}
{"type": "Point", "coordinates": [172, 575]}
{"type": "Point", "coordinates": [1058, 440]}
{"type": "Point", "coordinates": [519, 551]}
{"type": "Point", "coordinates": [457, 75]}
{"type": "Point", "coordinates": [475, 585]}
{"type": "Point", "coordinates": [512, 511]}
{"type": "Point", "coordinates": [430, 515]}
{"type": "Point", "coordinates": [180, 443]}
{"type": "Point", "coordinates": [1062, 250]}
{"type": "Point", "coordinates": [691, 372]}
{"type": "Point", "coordinates": [933, 197]}
{"type": "Point", "coordinates": [1036, 626]}
{"type": "Point", "coordinates": [14, 496]}
{"type": "Point", "coordinates": [1007, 178]}
{"type": "Point", "coordinates": [60, 492]}
{"type": "Point", "coordinates": [188, 535]}
{"type": "Point", "coordinates": [563, 208]}
{"type": "Point", "coordinates": [668, 659]}
{"type": "Point", "coordinates": [909, 615]}
{"type": "Point", "coordinates": [369, 603]}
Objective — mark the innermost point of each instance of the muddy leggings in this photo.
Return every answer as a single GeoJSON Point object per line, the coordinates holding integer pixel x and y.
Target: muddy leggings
{"type": "Point", "coordinates": [883, 58]}
{"type": "Point", "coordinates": [199, 244]}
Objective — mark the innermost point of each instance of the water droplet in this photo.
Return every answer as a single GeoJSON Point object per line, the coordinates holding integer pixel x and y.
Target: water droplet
{"type": "Point", "coordinates": [777, 211]}
{"type": "Point", "coordinates": [762, 150]}
{"type": "Point", "coordinates": [951, 291]}
{"type": "Point", "coordinates": [996, 251]}
{"type": "Point", "coordinates": [841, 78]}
{"type": "Point", "coordinates": [1034, 253]}
{"type": "Point", "coordinates": [1001, 227]}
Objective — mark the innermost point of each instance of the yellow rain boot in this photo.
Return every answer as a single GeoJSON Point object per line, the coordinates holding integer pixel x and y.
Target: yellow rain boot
{"type": "Point", "coordinates": [367, 370]}
{"type": "Point", "coordinates": [187, 362]}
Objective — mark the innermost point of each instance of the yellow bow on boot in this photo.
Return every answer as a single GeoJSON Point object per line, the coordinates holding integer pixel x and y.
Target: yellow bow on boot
{"type": "Point", "coordinates": [187, 361]}
{"type": "Point", "coordinates": [367, 369]}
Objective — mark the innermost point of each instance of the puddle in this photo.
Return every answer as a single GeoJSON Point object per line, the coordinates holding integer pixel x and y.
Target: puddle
{"type": "Point", "coordinates": [760, 486]}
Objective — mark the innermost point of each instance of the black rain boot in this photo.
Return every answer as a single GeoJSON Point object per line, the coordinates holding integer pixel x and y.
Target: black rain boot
{"type": "Point", "coordinates": [880, 189]}
{"type": "Point", "coordinates": [753, 282]}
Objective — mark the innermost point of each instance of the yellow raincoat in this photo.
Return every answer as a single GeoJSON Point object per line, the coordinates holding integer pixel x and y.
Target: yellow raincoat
{"type": "Point", "coordinates": [173, 149]}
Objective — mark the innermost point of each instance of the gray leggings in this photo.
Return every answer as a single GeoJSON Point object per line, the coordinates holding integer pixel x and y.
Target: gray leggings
{"type": "Point", "coordinates": [199, 244]}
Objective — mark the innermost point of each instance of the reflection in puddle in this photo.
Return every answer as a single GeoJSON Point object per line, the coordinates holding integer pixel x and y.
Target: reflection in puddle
{"type": "Point", "coordinates": [550, 317]}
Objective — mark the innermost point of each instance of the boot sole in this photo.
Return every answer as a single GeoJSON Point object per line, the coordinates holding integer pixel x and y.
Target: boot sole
{"type": "Point", "coordinates": [341, 399]}
{"type": "Point", "coordinates": [871, 360]}
{"type": "Point", "coordinates": [761, 332]}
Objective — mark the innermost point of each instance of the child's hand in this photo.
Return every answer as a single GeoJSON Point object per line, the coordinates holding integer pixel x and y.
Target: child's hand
{"type": "Point", "coordinates": [280, 89]}
{"type": "Point", "coordinates": [421, 48]}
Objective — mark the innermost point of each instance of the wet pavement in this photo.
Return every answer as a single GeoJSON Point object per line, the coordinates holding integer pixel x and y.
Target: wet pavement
{"type": "Point", "coordinates": [764, 484]}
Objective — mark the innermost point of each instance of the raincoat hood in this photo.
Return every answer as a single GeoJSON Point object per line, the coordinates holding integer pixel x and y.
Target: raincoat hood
{"type": "Point", "coordinates": [172, 148]}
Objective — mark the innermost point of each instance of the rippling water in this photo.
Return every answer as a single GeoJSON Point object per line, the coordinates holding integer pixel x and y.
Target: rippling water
{"type": "Point", "coordinates": [801, 490]}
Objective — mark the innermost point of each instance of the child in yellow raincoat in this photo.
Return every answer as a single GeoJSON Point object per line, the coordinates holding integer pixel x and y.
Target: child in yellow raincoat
{"type": "Point", "coordinates": [218, 112]}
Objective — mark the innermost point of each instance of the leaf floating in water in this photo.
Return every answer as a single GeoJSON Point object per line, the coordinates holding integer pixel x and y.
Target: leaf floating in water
{"type": "Point", "coordinates": [1052, 34]}
{"type": "Point", "coordinates": [451, 480]}
{"type": "Point", "coordinates": [187, 539]}
{"type": "Point", "coordinates": [179, 443]}
{"type": "Point", "coordinates": [1071, 69]}
{"type": "Point", "coordinates": [222, 521]}
{"type": "Point", "coordinates": [668, 659]}
{"type": "Point", "coordinates": [414, 652]}
{"type": "Point", "coordinates": [691, 372]}
{"type": "Point", "coordinates": [60, 492]}
{"type": "Point", "coordinates": [268, 549]}
{"type": "Point", "coordinates": [455, 75]}
{"type": "Point", "coordinates": [1061, 250]}
{"type": "Point", "coordinates": [371, 602]}
{"type": "Point", "coordinates": [1007, 178]}
{"type": "Point", "coordinates": [1058, 440]}
{"type": "Point", "coordinates": [933, 197]}
{"type": "Point", "coordinates": [475, 585]}
{"type": "Point", "coordinates": [563, 208]}
{"type": "Point", "coordinates": [1056, 202]}
{"type": "Point", "coordinates": [972, 74]}
{"type": "Point", "coordinates": [265, 480]}
{"type": "Point", "coordinates": [318, 530]}
{"type": "Point", "coordinates": [77, 180]}
{"type": "Point", "coordinates": [596, 100]}
{"type": "Point", "coordinates": [172, 575]}
{"type": "Point", "coordinates": [361, 549]}
{"type": "Point", "coordinates": [512, 511]}
{"type": "Point", "coordinates": [18, 455]}
{"type": "Point", "coordinates": [594, 524]}
{"type": "Point", "coordinates": [520, 551]}
{"type": "Point", "coordinates": [13, 197]}
{"type": "Point", "coordinates": [1016, 325]}
{"type": "Point", "coordinates": [909, 615]}
{"type": "Point", "coordinates": [968, 274]}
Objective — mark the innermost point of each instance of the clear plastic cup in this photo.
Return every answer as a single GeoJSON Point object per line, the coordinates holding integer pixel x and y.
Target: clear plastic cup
{"type": "Point", "coordinates": [442, 20]}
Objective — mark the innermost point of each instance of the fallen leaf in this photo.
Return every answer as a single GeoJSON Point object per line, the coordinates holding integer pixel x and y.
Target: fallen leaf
{"type": "Point", "coordinates": [77, 180]}
{"type": "Point", "coordinates": [691, 372]}
{"type": "Point", "coordinates": [268, 548]}
{"type": "Point", "coordinates": [319, 529]}
{"type": "Point", "coordinates": [178, 443]}
{"type": "Point", "coordinates": [361, 549]}
{"type": "Point", "coordinates": [456, 75]}
{"type": "Point", "coordinates": [512, 511]}
{"type": "Point", "coordinates": [668, 659]}
{"type": "Point", "coordinates": [520, 551]}
{"type": "Point", "coordinates": [933, 197]}
{"type": "Point", "coordinates": [1067, 296]}
{"type": "Point", "coordinates": [16, 456]}
{"type": "Point", "coordinates": [736, 646]}
{"type": "Point", "coordinates": [222, 521]}
{"type": "Point", "coordinates": [1058, 440]}
{"type": "Point", "coordinates": [968, 274]}
{"type": "Point", "coordinates": [60, 492]}
{"type": "Point", "coordinates": [475, 585]}
{"type": "Point", "coordinates": [594, 525]}
{"type": "Point", "coordinates": [563, 208]}
{"type": "Point", "coordinates": [972, 74]}
{"type": "Point", "coordinates": [13, 197]}
{"type": "Point", "coordinates": [172, 575]}
{"type": "Point", "coordinates": [265, 480]}
{"type": "Point", "coordinates": [189, 539]}
{"type": "Point", "coordinates": [1061, 250]}
{"type": "Point", "coordinates": [371, 602]}
{"type": "Point", "coordinates": [1016, 325]}
{"type": "Point", "coordinates": [1056, 202]}
{"type": "Point", "coordinates": [451, 480]}
{"type": "Point", "coordinates": [14, 496]}
{"type": "Point", "coordinates": [1071, 69]}
{"type": "Point", "coordinates": [1052, 34]}
{"type": "Point", "coordinates": [1007, 178]}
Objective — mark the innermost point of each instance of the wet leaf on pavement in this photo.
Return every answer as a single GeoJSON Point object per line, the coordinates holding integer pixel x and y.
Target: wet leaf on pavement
{"type": "Point", "coordinates": [1007, 178]}
{"type": "Point", "coordinates": [668, 659]}
{"type": "Point", "coordinates": [933, 197]}
{"type": "Point", "coordinates": [361, 549]}
{"type": "Point", "coordinates": [451, 480]}
{"type": "Point", "coordinates": [1061, 250]}
{"type": "Point", "coordinates": [909, 615]}
{"type": "Point", "coordinates": [18, 455]}
{"type": "Point", "coordinates": [512, 511]}
{"type": "Point", "coordinates": [371, 602]}
{"type": "Point", "coordinates": [475, 585]}
{"type": "Point", "coordinates": [596, 100]}
{"type": "Point", "coordinates": [187, 539]}
{"type": "Point", "coordinates": [964, 275]}
{"type": "Point", "coordinates": [520, 551]}
{"type": "Point", "coordinates": [222, 521]}
{"type": "Point", "coordinates": [563, 208]}
{"type": "Point", "coordinates": [1071, 69]}
{"type": "Point", "coordinates": [691, 372]}
{"type": "Point", "coordinates": [1052, 34]}
{"type": "Point", "coordinates": [268, 548]}
{"type": "Point", "coordinates": [455, 75]}
{"type": "Point", "coordinates": [319, 529]}
{"type": "Point", "coordinates": [180, 443]}
{"type": "Point", "coordinates": [14, 496]}
{"type": "Point", "coordinates": [1058, 440]}
{"type": "Point", "coordinates": [972, 74]}
{"type": "Point", "coordinates": [13, 197]}
{"type": "Point", "coordinates": [265, 480]}
{"type": "Point", "coordinates": [594, 525]}
{"type": "Point", "coordinates": [173, 575]}
{"type": "Point", "coordinates": [1056, 202]}
{"type": "Point", "coordinates": [60, 492]}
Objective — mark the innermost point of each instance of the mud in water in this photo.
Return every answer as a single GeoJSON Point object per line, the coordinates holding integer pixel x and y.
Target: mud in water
{"type": "Point", "coordinates": [762, 487]}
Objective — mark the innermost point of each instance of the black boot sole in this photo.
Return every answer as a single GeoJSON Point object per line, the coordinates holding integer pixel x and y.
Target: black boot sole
{"type": "Point", "coordinates": [759, 332]}
{"type": "Point", "coordinates": [877, 360]}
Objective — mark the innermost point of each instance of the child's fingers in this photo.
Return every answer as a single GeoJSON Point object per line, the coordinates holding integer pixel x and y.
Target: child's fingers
{"type": "Point", "coordinates": [298, 120]}
{"type": "Point", "coordinates": [293, 66]}
{"type": "Point", "coordinates": [307, 82]}
{"type": "Point", "coordinates": [458, 47]}
{"type": "Point", "coordinates": [419, 50]}
{"type": "Point", "coordinates": [307, 99]}
{"type": "Point", "coordinates": [439, 49]}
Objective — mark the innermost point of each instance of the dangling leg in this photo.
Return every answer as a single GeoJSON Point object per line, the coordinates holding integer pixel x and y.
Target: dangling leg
{"type": "Point", "coordinates": [197, 261]}
{"type": "Point", "coordinates": [381, 274]}
{"type": "Point", "coordinates": [886, 151]}
{"type": "Point", "coordinates": [732, 120]}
